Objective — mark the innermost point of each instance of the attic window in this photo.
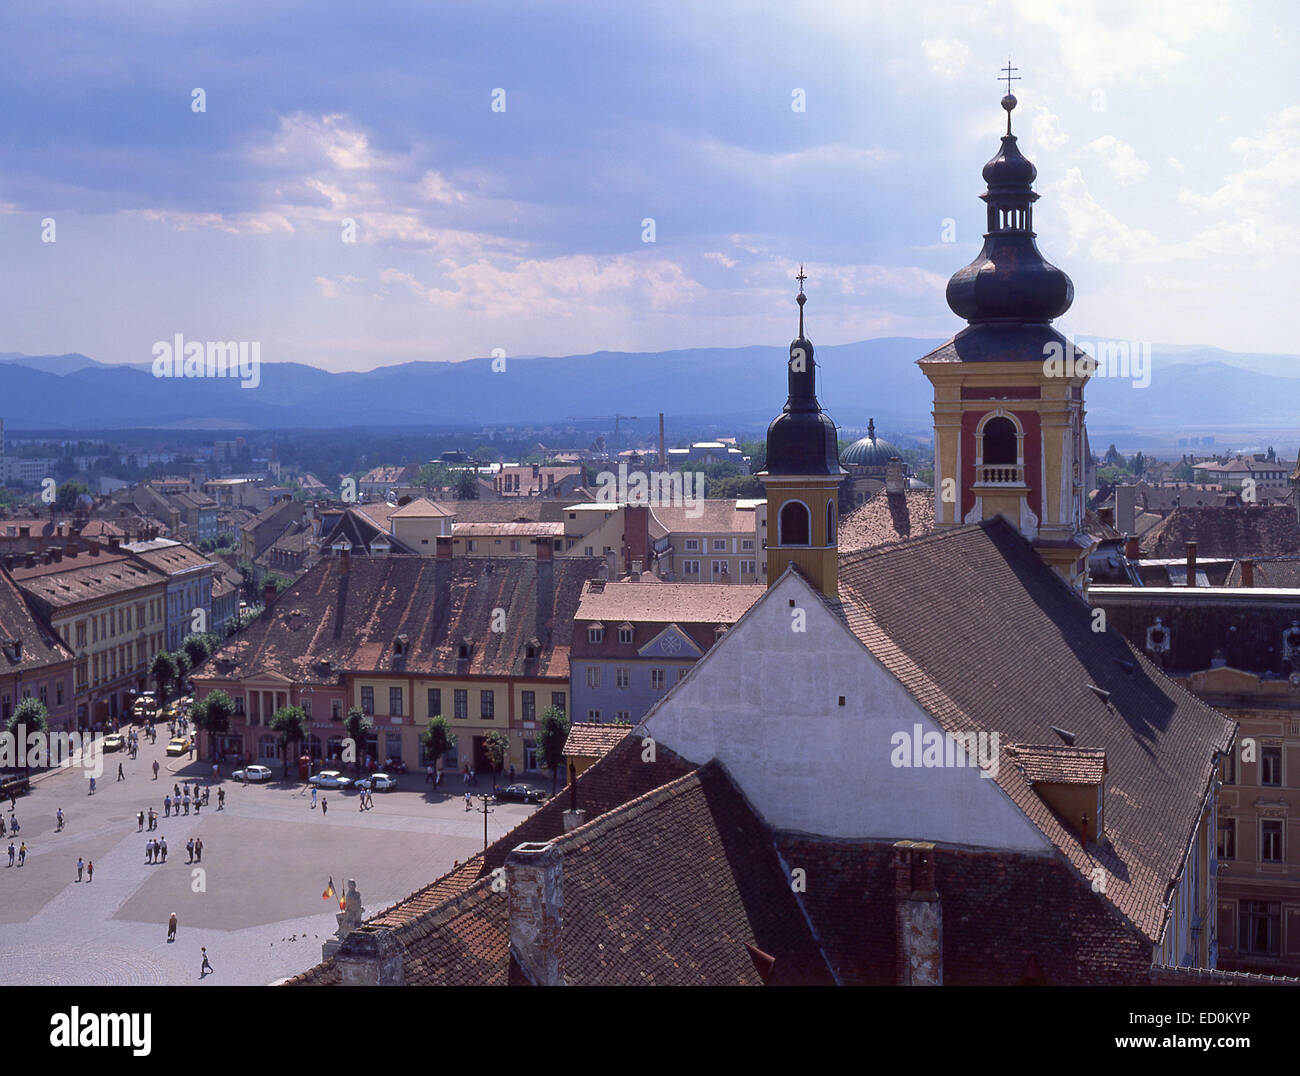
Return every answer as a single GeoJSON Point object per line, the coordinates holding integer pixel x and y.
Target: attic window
{"type": "Point", "coordinates": [596, 633]}
{"type": "Point", "coordinates": [530, 651]}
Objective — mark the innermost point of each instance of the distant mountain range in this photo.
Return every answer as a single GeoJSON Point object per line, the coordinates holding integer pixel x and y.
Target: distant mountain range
{"type": "Point", "coordinates": [1190, 388]}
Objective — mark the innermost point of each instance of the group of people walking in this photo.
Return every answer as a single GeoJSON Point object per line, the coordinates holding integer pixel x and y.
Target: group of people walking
{"type": "Point", "coordinates": [181, 798]}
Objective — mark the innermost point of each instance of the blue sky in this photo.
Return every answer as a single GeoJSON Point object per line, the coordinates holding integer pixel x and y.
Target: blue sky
{"type": "Point", "coordinates": [1166, 135]}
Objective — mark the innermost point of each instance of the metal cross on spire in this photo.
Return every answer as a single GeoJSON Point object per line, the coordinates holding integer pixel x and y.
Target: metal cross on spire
{"type": "Point", "coordinates": [801, 277]}
{"type": "Point", "coordinates": [801, 298]}
{"type": "Point", "coordinates": [1008, 75]}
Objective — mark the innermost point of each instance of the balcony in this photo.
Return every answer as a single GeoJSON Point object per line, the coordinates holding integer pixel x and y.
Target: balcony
{"type": "Point", "coordinates": [1000, 474]}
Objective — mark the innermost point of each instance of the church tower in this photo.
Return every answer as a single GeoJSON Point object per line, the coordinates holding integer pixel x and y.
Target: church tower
{"type": "Point", "coordinates": [802, 476]}
{"type": "Point", "coordinates": [1008, 389]}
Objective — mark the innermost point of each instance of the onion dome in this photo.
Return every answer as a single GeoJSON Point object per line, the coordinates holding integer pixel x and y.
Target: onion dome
{"type": "Point", "coordinates": [1009, 280]}
{"type": "Point", "coordinates": [870, 451]}
{"type": "Point", "coordinates": [801, 440]}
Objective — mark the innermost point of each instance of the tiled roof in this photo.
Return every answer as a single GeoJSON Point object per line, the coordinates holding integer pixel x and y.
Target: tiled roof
{"type": "Point", "coordinates": [40, 646]}
{"type": "Point", "coordinates": [171, 558]}
{"type": "Point", "coordinates": [85, 577]}
{"type": "Point", "coordinates": [421, 508]}
{"type": "Point", "coordinates": [1098, 528]}
{"type": "Point", "coordinates": [593, 740]}
{"type": "Point", "coordinates": [1060, 764]}
{"type": "Point", "coordinates": [984, 585]}
{"type": "Point", "coordinates": [1281, 572]}
{"type": "Point", "coordinates": [508, 530]}
{"type": "Point", "coordinates": [353, 618]}
{"type": "Point", "coordinates": [668, 603]}
{"type": "Point", "coordinates": [1225, 532]}
{"type": "Point", "coordinates": [717, 516]}
{"type": "Point", "coordinates": [510, 511]}
{"type": "Point", "coordinates": [887, 517]}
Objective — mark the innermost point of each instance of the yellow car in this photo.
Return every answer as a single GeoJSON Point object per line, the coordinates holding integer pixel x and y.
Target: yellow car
{"type": "Point", "coordinates": [178, 746]}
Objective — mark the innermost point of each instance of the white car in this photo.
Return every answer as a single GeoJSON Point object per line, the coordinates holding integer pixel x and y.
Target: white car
{"type": "Point", "coordinates": [252, 773]}
{"type": "Point", "coordinates": [378, 782]}
{"type": "Point", "coordinates": [329, 779]}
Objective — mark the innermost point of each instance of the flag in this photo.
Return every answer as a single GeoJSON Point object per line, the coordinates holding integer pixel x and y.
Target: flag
{"type": "Point", "coordinates": [329, 890]}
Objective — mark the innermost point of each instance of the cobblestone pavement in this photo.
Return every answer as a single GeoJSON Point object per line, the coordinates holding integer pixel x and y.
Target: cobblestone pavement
{"type": "Point", "coordinates": [254, 901]}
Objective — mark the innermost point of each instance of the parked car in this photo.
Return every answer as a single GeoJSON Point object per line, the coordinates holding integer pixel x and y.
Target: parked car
{"type": "Point", "coordinates": [254, 773]}
{"type": "Point", "coordinates": [178, 746]}
{"type": "Point", "coordinates": [521, 794]}
{"type": "Point", "coordinates": [378, 782]}
{"type": "Point", "coordinates": [329, 779]}
{"type": "Point", "coordinates": [113, 742]}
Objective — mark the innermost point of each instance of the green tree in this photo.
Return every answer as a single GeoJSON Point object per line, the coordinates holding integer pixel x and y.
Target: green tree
{"type": "Point", "coordinates": [1137, 464]}
{"type": "Point", "coordinates": [467, 486]}
{"type": "Point", "coordinates": [164, 674]}
{"type": "Point", "coordinates": [552, 731]}
{"type": "Point", "coordinates": [438, 739]}
{"type": "Point", "coordinates": [358, 726]}
{"type": "Point", "coordinates": [197, 647]}
{"type": "Point", "coordinates": [212, 714]}
{"type": "Point", "coordinates": [497, 748]}
{"type": "Point", "coordinates": [182, 660]}
{"type": "Point", "coordinates": [290, 724]}
{"type": "Point", "coordinates": [66, 499]}
{"type": "Point", "coordinates": [29, 716]}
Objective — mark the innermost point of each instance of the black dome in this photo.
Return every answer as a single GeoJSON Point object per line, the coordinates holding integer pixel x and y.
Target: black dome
{"type": "Point", "coordinates": [801, 440]}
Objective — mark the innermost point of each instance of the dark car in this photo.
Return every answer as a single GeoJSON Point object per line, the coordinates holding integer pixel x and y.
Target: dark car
{"type": "Point", "coordinates": [521, 794]}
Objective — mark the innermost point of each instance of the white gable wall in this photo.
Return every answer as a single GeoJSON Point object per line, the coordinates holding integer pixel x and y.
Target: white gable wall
{"type": "Point", "coordinates": [764, 702]}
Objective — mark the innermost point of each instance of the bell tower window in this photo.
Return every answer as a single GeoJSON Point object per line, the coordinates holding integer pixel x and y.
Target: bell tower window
{"type": "Point", "coordinates": [793, 524]}
{"type": "Point", "coordinates": [1000, 441]}
{"type": "Point", "coordinates": [830, 522]}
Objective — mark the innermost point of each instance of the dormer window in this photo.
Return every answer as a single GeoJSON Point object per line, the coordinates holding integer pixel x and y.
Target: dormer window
{"type": "Point", "coordinates": [596, 633]}
{"type": "Point", "coordinates": [625, 634]}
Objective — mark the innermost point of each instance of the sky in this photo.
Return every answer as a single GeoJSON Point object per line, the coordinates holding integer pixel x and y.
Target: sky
{"type": "Point", "coordinates": [504, 167]}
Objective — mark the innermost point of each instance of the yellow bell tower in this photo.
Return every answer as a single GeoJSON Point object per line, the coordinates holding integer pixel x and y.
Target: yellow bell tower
{"type": "Point", "coordinates": [802, 476]}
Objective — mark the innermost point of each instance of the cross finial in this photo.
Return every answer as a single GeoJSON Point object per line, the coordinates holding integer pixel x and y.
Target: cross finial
{"type": "Point", "coordinates": [1008, 75]}
{"type": "Point", "coordinates": [801, 277]}
{"type": "Point", "coordinates": [801, 298]}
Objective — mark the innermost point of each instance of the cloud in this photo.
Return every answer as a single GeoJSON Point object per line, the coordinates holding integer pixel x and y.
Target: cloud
{"type": "Point", "coordinates": [1046, 128]}
{"type": "Point", "coordinates": [1090, 226]}
{"type": "Point", "coordinates": [946, 56]}
{"type": "Point", "coordinates": [721, 259]}
{"type": "Point", "coordinates": [1120, 158]}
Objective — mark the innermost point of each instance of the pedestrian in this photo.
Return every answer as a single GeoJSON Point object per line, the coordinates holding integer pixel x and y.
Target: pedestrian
{"type": "Point", "coordinates": [167, 806]}
{"type": "Point", "coordinates": [324, 805]}
{"type": "Point", "coordinates": [90, 793]}
{"type": "Point", "coordinates": [148, 851]}
{"type": "Point", "coordinates": [81, 866]}
{"type": "Point", "coordinates": [176, 791]}
{"type": "Point", "coordinates": [13, 801]}
{"type": "Point", "coordinates": [428, 774]}
{"type": "Point", "coordinates": [512, 773]}
{"type": "Point", "coordinates": [216, 772]}
{"type": "Point", "coordinates": [221, 799]}
{"type": "Point", "coordinates": [189, 847]}
{"type": "Point", "coordinates": [120, 775]}
{"type": "Point", "coordinates": [2, 826]}
{"type": "Point", "coordinates": [198, 802]}
{"type": "Point", "coordinates": [186, 801]}
{"type": "Point", "coordinates": [22, 853]}
{"type": "Point", "coordinates": [198, 850]}
{"type": "Point", "coordinates": [153, 820]}
{"type": "Point", "coordinates": [162, 848]}
{"type": "Point", "coordinates": [58, 818]}
{"type": "Point", "coordinates": [468, 805]}
{"type": "Point", "coordinates": [313, 797]}
{"type": "Point", "coordinates": [13, 826]}
{"type": "Point", "coordinates": [139, 819]}
{"type": "Point", "coordinates": [11, 853]}
{"type": "Point", "coordinates": [171, 928]}
{"type": "Point", "coordinates": [90, 871]}
{"type": "Point", "coordinates": [185, 788]}
{"type": "Point", "coordinates": [155, 769]}
{"type": "Point", "coordinates": [361, 801]}
{"type": "Point", "coordinates": [206, 967]}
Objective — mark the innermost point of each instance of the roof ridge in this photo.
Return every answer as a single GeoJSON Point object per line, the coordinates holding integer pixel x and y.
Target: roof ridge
{"type": "Point", "coordinates": [583, 834]}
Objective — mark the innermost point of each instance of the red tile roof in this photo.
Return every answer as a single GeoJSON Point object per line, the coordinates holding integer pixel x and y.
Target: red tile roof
{"type": "Point", "coordinates": [593, 740]}
{"type": "Point", "coordinates": [1218, 531]}
{"type": "Point", "coordinates": [887, 517]}
{"type": "Point", "coordinates": [668, 603]}
{"type": "Point", "coordinates": [1059, 764]}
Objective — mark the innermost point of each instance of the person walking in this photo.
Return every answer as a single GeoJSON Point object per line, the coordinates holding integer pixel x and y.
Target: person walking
{"type": "Point", "coordinates": [428, 774]}
{"type": "Point", "coordinates": [22, 853]}
{"type": "Point", "coordinates": [11, 853]}
{"type": "Point", "coordinates": [189, 847]}
{"type": "Point", "coordinates": [171, 928]}
{"type": "Point", "coordinates": [153, 820]}
{"type": "Point", "coordinates": [512, 773]}
{"type": "Point", "coordinates": [361, 801]}
{"type": "Point", "coordinates": [313, 797]}
{"type": "Point", "coordinates": [198, 850]}
{"type": "Point", "coordinates": [206, 967]}
{"type": "Point", "coordinates": [2, 826]}
{"type": "Point", "coordinates": [216, 772]}
{"type": "Point", "coordinates": [186, 801]}
{"type": "Point", "coordinates": [155, 769]}
{"type": "Point", "coordinates": [176, 791]}
{"type": "Point", "coordinates": [162, 847]}
{"type": "Point", "coordinates": [90, 793]}
{"type": "Point", "coordinates": [221, 799]}
{"type": "Point", "coordinates": [468, 805]}
{"type": "Point", "coordinates": [120, 775]}
{"type": "Point", "coordinates": [139, 819]}
{"type": "Point", "coordinates": [324, 805]}
{"type": "Point", "coordinates": [58, 819]}
{"type": "Point", "coordinates": [90, 871]}
{"type": "Point", "coordinates": [148, 851]}
{"type": "Point", "coordinates": [81, 866]}
{"type": "Point", "coordinates": [167, 806]}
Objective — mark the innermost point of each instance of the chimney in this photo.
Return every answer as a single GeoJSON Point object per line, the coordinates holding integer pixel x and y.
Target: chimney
{"type": "Point", "coordinates": [57, 550]}
{"type": "Point", "coordinates": [31, 560]}
{"type": "Point", "coordinates": [24, 532]}
{"type": "Point", "coordinates": [636, 533]}
{"type": "Point", "coordinates": [114, 543]}
{"type": "Point", "coordinates": [1125, 509]}
{"type": "Point", "coordinates": [371, 956]}
{"type": "Point", "coordinates": [1132, 548]}
{"type": "Point", "coordinates": [268, 593]}
{"type": "Point", "coordinates": [535, 881]}
{"type": "Point", "coordinates": [919, 916]}
{"type": "Point", "coordinates": [47, 556]}
{"type": "Point", "coordinates": [442, 547]}
{"type": "Point", "coordinates": [894, 475]}
{"type": "Point", "coordinates": [545, 587]}
{"type": "Point", "coordinates": [1191, 564]}
{"type": "Point", "coordinates": [94, 549]}
{"type": "Point", "coordinates": [345, 561]}
{"type": "Point", "coordinates": [611, 565]}
{"type": "Point", "coordinates": [1247, 573]}
{"type": "Point", "coordinates": [663, 451]}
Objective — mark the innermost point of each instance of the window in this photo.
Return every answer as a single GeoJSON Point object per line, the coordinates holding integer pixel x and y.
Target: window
{"type": "Point", "coordinates": [625, 635]}
{"type": "Point", "coordinates": [746, 544]}
{"type": "Point", "coordinates": [657, 679]}
{"type": "Point", "coordinates": [1229, 767]}
{"type": "Point", "coordinates": [624, 715]}
{"type": "Point", "coordinates": [44, 700]}
{"type": "Point", "coordinates": [792, 524]}
{"type": "Point", "coordinates": [394, 700]}
{"type": "Point", "coordinates": [719, 545]}
{"type": "Point", "coordinates": [692, 545]}
{"type": "Point", "coordinates": [530, 705]}
{"type": "Point", "coordinates": [719, 568]}
{"type": "Point", "coordinates": [1270, 766]}
{"type": "Point", "coordinates": [367, 700]}
{"type": "Point", "coordinates": [515, 547]}
{"type": "Point", "coordinates": [681, 673]}
{"type": "Point", "coordinates": [690, 567]}
{"type": "Point", "coordinates": [623, 678]}
{"type": "Point", "coordinates": [1260, 924]}
{"type": "Point", "coordinates": [1227, 838]}
{"type": "Point", "coordinates": [471, 545]}
{"type": "Point", "coordinates": [830, 522]}
{"type": "Point", "coordinates": [487, 705]}
{"type": "Point", "coordinates": [1270, 841]}
{"type": "Point", "coordinates": [595, 635]}
{"type": "Point", "coordinates": [557, 700]}
{"type": "Point", "coordinates": [748, 567]}
{"type": "Point", "coordinates": [461, 703]}
{"type": "Point", "coordinates": [435, 701]}
{"type": "Point", "coordinates": [58, 693]}
{"type": "Point", "coordinates": [81, 633]}
{"type": "Point", "coordinates": [999, 441]}
{"type": "Point", "coordinates": [593, 676]}
{"type": "Point", "coordinates": [336, 708]}
{"type": "Point", "coordinates": [593, 715]}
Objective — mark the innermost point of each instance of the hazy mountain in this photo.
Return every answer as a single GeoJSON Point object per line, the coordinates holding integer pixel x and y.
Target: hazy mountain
{"type": "Point", "coordinates": [872, 379]}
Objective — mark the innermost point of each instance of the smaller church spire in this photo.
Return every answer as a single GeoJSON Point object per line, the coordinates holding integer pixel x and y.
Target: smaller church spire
{"type": "Point", "coordinates": [1009, 102]}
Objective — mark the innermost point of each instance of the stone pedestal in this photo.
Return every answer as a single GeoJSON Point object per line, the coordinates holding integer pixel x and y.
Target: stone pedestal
{"type": "Point", "coordinates": [348, 919]}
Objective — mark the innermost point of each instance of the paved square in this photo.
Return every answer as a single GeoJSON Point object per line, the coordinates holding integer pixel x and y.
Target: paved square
{"type": "Point", "coordinates": [254, 901]}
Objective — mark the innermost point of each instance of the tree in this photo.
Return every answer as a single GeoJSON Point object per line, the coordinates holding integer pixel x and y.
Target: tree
{"type": "Point", "coordinates": [358, 726]}
{"type": "Point", "coordinates": [438, 739]}
{"type": "Point", "coordinates": [1137, 464]}
{"type": "Point", "coordinates": [497, 748]}
{"type": "Point", "coordinates": [552, 731]}
{"type": "Point", "coordinates": [182, 660]}
{"type": "Point", "coordinates": [29, 716]}
{"type": "Point", "coordinates": [212, 714]}
{"type": "Point", "coordinates": [1113, 457]}
{"type": "Point", "coordinates": [66, 499]}
{"type": "Point", "coordinates": [467, 486]}
{"type": "Point", "coordinates": [197, 647]}
{"type": "Point", "coordinates": [164, 673]}
{"type": "Point", "coordinates": [290, 724]}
